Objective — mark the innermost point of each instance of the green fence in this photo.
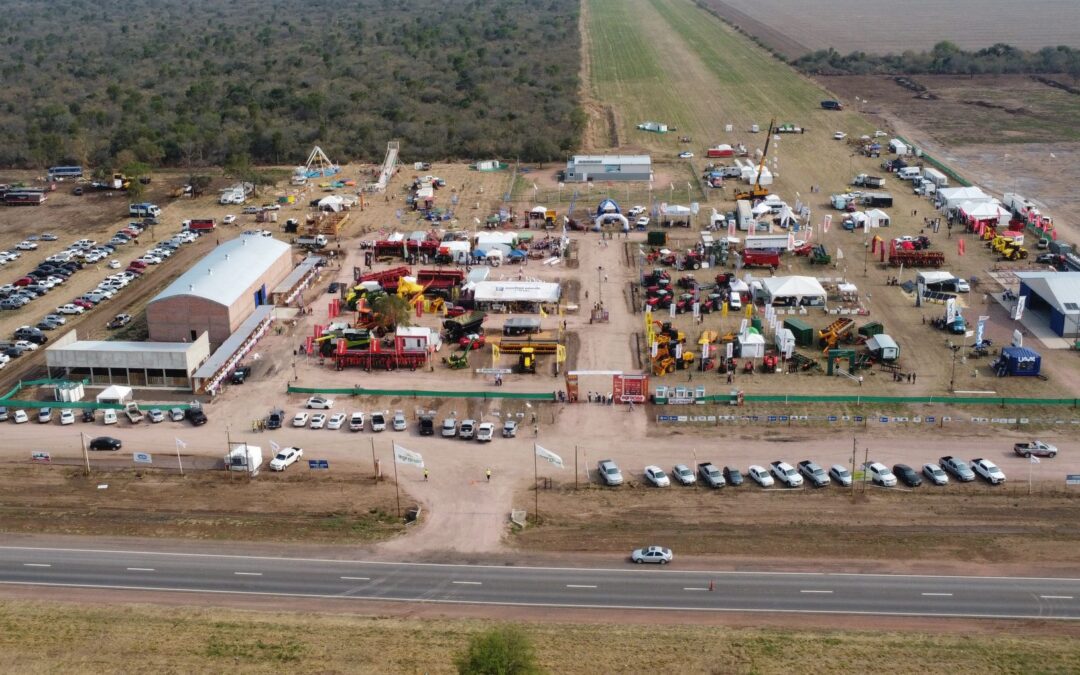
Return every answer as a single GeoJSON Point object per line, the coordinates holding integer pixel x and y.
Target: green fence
{"type": "Point", "coordinates": [944, 168]}
{"type": "Point", "coordinates": [7, 400]}
{"type": "Point", "coordinates": [425, 393]}
{"type": "Point", "coordinates": [903, 400]}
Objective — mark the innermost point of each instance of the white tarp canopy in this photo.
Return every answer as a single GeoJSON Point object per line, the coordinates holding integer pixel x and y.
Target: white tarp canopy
{"type": "Point", "coordinates": [115, 394]}
{"type": "Point", "coordinates": [931, 277]}
{"type": "Point", "coordinates": [332, 202]}
{"type": "Point", "coordinates": [984, 210]}
{"type": "Point", "coordinates": [516, 291]}
{"type": "Point", "coordinates": [676, 210]}
{"type": "Point", "coordinates": [539, 209]}
{"type": "Point", "coordinates": [803, 290]}
{"type": "Point", "coordinates": [953, 197]}
{"type": "Point", "coordinates": [878, 218]}
{"type": "Point", "coordinates": [488, 239]}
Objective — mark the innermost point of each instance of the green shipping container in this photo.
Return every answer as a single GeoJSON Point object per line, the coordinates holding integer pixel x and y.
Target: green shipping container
{"type": "Point", "coordinates": [871, 329]}
{"type": "Point", "coordinates": [804, 334]}
{"type": "Point", "coordinates": [657, 238]}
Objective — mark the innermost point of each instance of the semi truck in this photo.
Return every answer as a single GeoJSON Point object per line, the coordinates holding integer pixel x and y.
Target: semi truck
{"type": "Point", "coordinates": [199, 224]}
{"type": "Point", "coordinates": [144, 210]}
{"type": "Point", "coordinates": [868, 181]}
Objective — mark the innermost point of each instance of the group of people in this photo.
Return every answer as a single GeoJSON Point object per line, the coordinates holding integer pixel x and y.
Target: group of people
{"type": "Point", "coordinates": [597, 397]}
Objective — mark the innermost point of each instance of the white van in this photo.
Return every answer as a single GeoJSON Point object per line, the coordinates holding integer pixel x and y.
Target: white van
{"type": "Point", "coordinates": [108, 416]}
{"type": "Point", "coordinates": [909, 173]}
{"type": "Point", "coordinates": [735, 303]}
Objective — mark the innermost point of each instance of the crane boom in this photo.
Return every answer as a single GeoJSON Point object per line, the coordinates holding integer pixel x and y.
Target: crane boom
{"type": "Point", "coordinates": [759, 192]}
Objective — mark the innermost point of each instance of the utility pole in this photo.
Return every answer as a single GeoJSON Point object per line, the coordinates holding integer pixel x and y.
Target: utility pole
{"type": "Point", "coordinates": [865, 473]}
{"type": "Point", "coordinates": [854, 440]}
{"type": "Point", "coordinates": [86, 455]}
{"type": "Point", "coordinates": [575, 468]}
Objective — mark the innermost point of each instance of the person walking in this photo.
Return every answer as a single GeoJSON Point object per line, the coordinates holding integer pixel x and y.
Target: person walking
{"type": "Point", "coordinates": [425, 474]}
{"type": "Point", "coordinates": [489, 475]}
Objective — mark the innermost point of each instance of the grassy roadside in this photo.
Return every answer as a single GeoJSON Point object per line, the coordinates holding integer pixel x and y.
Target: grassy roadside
{"type": "Point", "coordinates": [204, 505]}
{"type": "Point", "coordinates": [63, 637]}
{"type": "Point", "coordinates": [971, 524]}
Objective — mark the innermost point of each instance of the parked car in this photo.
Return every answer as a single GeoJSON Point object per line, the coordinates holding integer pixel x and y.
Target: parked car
{"type": "Point", "coordinates": [988, 470]}
{"type": "Point", "coordinates": [652, 554]}
{"type": "Point", "coordinates": [710, 475]}
{"type": "Point", "coordinates": [320, 403]}
{"type": "Point", "coordinates": [786, 474]}
{"type": "Point", "coordinates": [3, 414]}
{"type": "Point", "coordinates": [155, 415]}
{"type": "Point", "coordinates": [934, 474]}
{"type": "Point", "coordinates": [683, 474]}
{"type": "Point", "coordinates": [398, 421]}
{"type": "Point", "coordinates": [336, 421]}
{"type": "Point", "coordinates": [609, 472]}
{"type": "Point", "coordinates": [70, 308]}
{"type": "Point", "coordinates": [285, 457]}
{"type": "Point", "coordinates": [196, 416]}
{"type": "Point", "coordinates": [467, 429]}
{"type": "Point", "coordinates": [509, 429]}
{"type": "Point", "coordinates": [378, 421]}
{"type": "Point", "coordinates": [105, 443]}
{"type": "Point", "coordinates": [760, 475]}
{"type": "Point", "coordinates": [449, 427]}
{"type": "Point", "coordinates": [656, 476]}
{"type": "Point", "coordinates": [119, 321]}
{"type": "Point", "coordinates": [814, 473]}
{"type": "Point", "coordinates": [318, 421]}
{"type": "Point", "coordinates": [44, 415]}
{"type": "Point", "coordinates": [907, 475]}
{"type": "Point", "coordinates": [840, 474]}
{"type": "Point", "coordinates": [880, 474]}
{"type": "Point", "coordinates": [485, 432]}
{"type": "Point", "coordinates": [356, 421]}
{"type": "Point", "coordinates": [67, 416]}
{"type": "Point", "coordinates": [300, 419]}
{"type": "Point", "coordinates": [957, 467]}
{"type": "Point", "coordinates": [177, 415]}
{"type": "Point", "coordinates": [733, 476]}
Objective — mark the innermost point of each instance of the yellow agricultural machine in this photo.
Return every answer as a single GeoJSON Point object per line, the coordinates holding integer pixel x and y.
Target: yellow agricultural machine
{"type": "Point", "coordinates": [831, 335]}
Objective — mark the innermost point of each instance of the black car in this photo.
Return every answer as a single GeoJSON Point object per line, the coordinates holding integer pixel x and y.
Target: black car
{"type": "Point", "coordinates": [105, 443]}
{"type": "Point", "coordinates": [240, 375]}
{"type": "Point", "coordinates": [47, 325]}
{"type": "Point", "coordinates": [89, 415]}
{"type": "Point", "coordinates": [274, 419]}
{"type": "Point", "coordinates": [195, 416]}
{"type": "Point", "coordinates": [334, 287]}
{"type": "Point", "coordinates": [909, 476]}
{"type": "Point", "coordinates": [733, 476]}
{"type": "Point", "coordinates": [13, 352]}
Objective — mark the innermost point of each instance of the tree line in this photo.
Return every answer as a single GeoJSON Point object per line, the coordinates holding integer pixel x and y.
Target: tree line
{"type": "Point", "coordinates": [945, 58]}
{"type": "Point", "coordinates": [202, 82]}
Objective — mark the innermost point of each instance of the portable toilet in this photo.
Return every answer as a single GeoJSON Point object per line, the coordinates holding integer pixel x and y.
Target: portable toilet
{"type": "Point", "coordinates": [883, 347]}
{"type": "Point", "coordinates": [751, 346]}
{"type": "Point", "coordinates": [785, 342]}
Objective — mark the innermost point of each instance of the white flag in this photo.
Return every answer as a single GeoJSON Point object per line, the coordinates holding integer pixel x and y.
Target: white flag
{"type": "Point", "coordinates": [403, 456]}
{"type": "Point", "coordinates": [274, 446]}
{"type": "Point", "coordinates": [1034, 459]}
{"type": "Point", "coordinates": [549, 456]}
{"type": "Point", "coordinates": [180, 444]}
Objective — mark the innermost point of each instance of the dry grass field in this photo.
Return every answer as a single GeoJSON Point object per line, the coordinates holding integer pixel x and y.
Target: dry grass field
{"type": "Point", "coordinates": [56, 637]}
{"type": "Point", "coordinates": [882, 26]}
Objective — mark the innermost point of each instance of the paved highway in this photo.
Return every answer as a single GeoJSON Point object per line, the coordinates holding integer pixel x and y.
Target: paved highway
{"type": "Point", "coordinates": [626, 587]}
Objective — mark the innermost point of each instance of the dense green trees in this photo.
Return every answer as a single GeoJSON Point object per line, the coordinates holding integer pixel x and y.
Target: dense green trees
{"type": "Point", "coordinates": [197, 82]}
{"type": "Point", "coordinates": [945, 59]}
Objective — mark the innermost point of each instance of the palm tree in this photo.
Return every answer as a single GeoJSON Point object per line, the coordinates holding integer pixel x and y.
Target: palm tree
{"type": "Point", "coordinates": [391, 311]}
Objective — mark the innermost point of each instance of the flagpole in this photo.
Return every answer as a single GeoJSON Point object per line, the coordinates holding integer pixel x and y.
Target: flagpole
{"type": "Point", "coordinates": [397, 490]}
{"type": "Point", "coordinates": [536, 489]}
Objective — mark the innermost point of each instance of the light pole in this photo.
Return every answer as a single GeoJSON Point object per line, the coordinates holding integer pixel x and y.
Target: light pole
{"type": "Point", "coordinates": [600, 281]}
{"type": "Point", "coordinates": [952, 377]}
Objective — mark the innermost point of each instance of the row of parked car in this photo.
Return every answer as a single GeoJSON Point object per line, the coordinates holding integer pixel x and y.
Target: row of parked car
{"type": "Point", "coordinates": [108, 416]}
{"type": "Point", "coordinates": [467, 429]}
{"type": "Point", "coordinates": [808, 471]}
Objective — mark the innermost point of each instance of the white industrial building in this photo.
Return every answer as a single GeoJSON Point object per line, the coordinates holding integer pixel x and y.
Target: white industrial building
{"type": "Point", "coordinates": [583, 168]}
{"type": "Point", "coordinates": [145, 365]}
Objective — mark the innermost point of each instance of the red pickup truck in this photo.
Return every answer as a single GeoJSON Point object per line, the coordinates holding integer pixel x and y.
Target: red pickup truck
{"type": "Point", "coordinates": [761, 258]}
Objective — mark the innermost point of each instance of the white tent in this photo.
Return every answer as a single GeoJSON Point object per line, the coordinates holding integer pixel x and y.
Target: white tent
{"type": "Point", "coordinates": [751, 346]}
{"type": "Point", "coordinates": [515, 291]}
{"type": "Point", "coordinates": [676, 211]}
{"type": "Point", "coordinates": [954, 197]}
{"type": "Point", "coordinates": [984, 210]}
{"type": "Point", "coordinates": [331, 203]}
{"type": "Point", "coordinates": [115, 394]}
{"type": "Point", "coordinates": [878, 218]}
{"type": "Point", "coordinates": [491, 239]}
{"type": "Point", "coordinates": [794, 291]}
